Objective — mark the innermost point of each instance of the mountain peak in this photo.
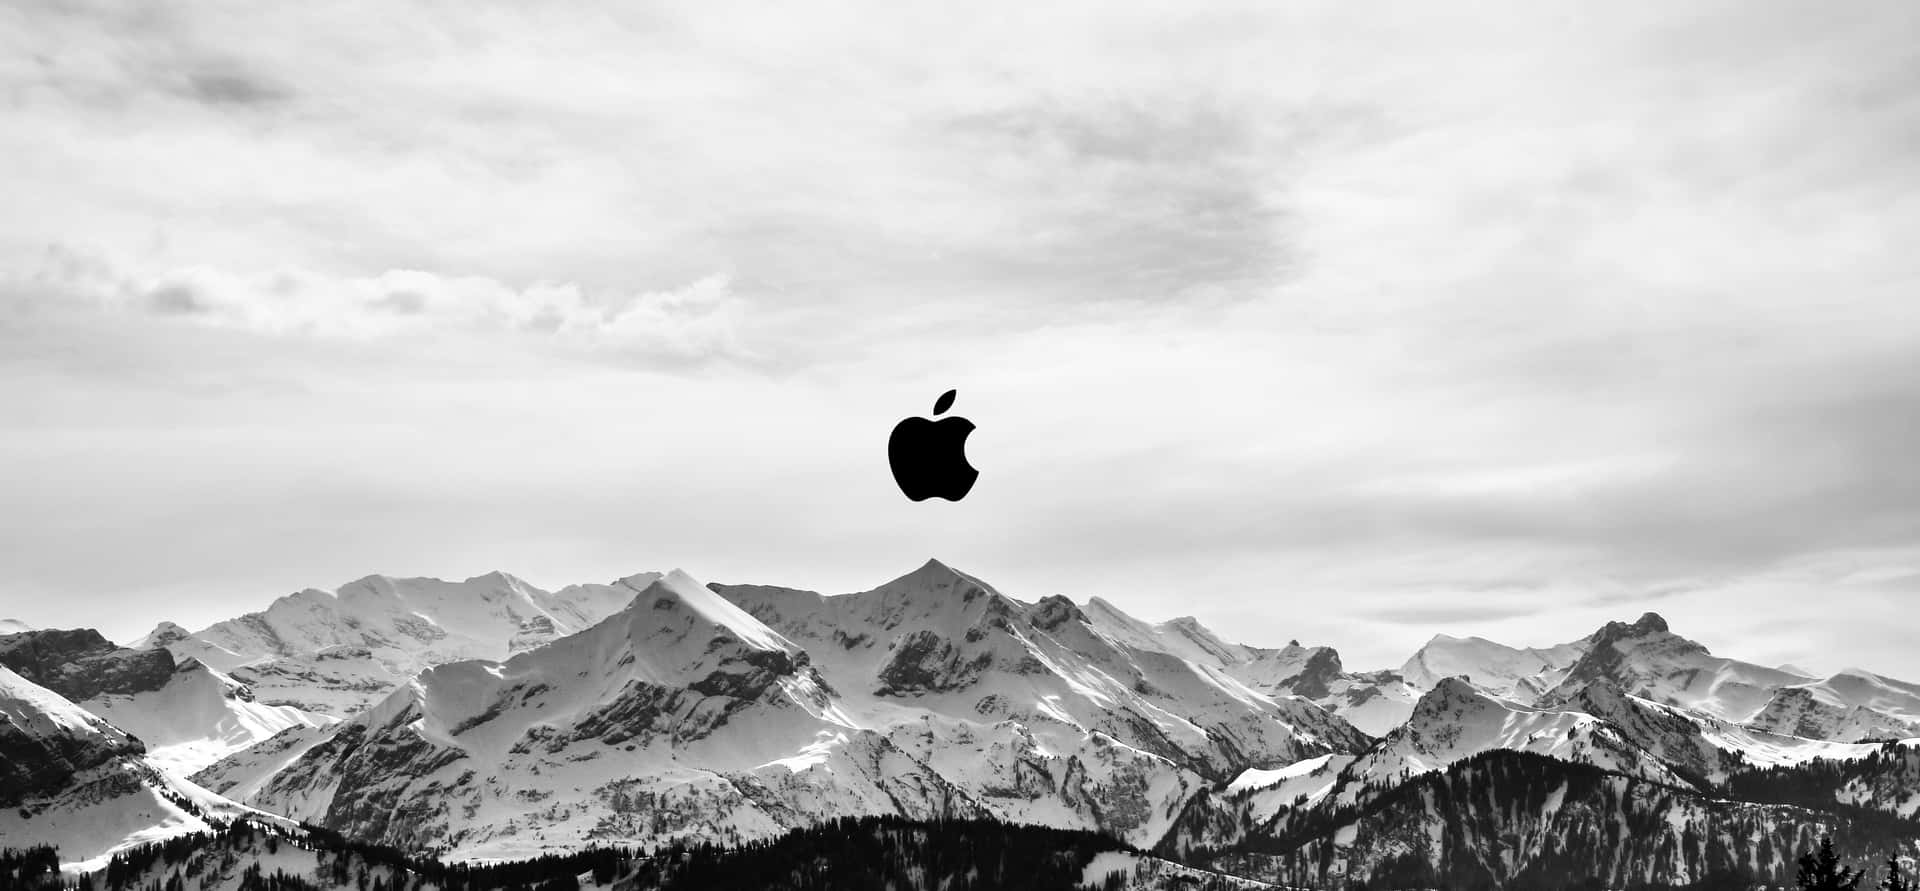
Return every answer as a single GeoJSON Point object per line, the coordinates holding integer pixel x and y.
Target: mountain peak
{"type": "Point", "coordinates": [1648, 624]}
{"type": "Point", "coordinates": [936, 571]}
{"type": "Point", "coordinates": [639, 581]}
{"type": "Point", "coordinates": [934, 575]}
{"type": "Point", "coordinates": [1453, 687]}
{"type": "Point", "coordinates": [677, 590]}
{"type": "Point", "coordinates": [1053, 611]}
{"type": "Point", "coordinates": [497, 577]}
{"type": "Point", "coordinates": [162, 634]}
{"type": "Point", "coordinates": [1448, 696]}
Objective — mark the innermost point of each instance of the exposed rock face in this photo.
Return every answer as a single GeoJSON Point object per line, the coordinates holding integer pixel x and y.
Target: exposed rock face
{"type": "Point", "coordinates": [80, 664]}
{"type": "Point", "coordinates": [924, 661]}
{"type": "Point", "coordinates": [45, 741]}
{"type": "Point", "coordinates": [1322, 668]}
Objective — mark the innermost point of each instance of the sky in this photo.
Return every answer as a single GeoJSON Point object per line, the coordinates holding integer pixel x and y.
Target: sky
{"type": "Point", "coordinates": [1345, 323]}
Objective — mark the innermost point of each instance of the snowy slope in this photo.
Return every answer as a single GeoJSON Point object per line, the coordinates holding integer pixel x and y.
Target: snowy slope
{"type": "Point", "coordinates": [71, 779]}
{"type": "Point", "coordinates": [338, 653]}
{"type": "Point", "coordinates": [187, 714]}
{"type": "Point", "coordinates": [1373, 702]}
{"type": "Point", "coordinates": [45, 729]}
{"type": "Point", "coordinates": [1509, 672]}
{"type": "Point", "coordinates": [1648, 660]}
{"type": "Point", "coordinates": [197, 718]}
{"type": "Point", "coordinates": [407, 623]}
{"type": "Point", "coordinates": [1456, 720]}
{"type": "Point", "coordinates": [1268, 792]}
{"type": "Point", "coordinates": [1184, 637]}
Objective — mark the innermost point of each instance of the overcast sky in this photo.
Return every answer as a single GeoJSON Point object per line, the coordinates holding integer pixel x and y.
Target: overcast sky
{"type": "Point", "coordinates": [1345, 323]}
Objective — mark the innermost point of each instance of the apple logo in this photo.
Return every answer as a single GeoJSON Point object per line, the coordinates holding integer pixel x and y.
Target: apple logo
{"type": "Point", "coordinates": [929, 457]}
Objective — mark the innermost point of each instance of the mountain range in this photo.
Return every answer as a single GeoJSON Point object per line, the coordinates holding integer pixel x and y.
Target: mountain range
{"type": "Point", "coordinates": [490, 720]}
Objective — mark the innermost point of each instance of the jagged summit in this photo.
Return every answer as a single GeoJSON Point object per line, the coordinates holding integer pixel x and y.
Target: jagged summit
{"type": "Point", "coordinates": [1648, 624]}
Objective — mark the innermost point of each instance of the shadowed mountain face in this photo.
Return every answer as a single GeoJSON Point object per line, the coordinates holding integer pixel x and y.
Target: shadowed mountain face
{"type": "Point", "coordinates": [47, 741]}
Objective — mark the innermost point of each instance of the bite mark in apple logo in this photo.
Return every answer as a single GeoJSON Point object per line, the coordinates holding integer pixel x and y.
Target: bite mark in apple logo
{"type": "Point", "coordinates": [929, 458]}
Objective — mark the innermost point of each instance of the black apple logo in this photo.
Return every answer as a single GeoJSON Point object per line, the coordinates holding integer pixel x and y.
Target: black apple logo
{"type": "Point", "coordinates": [929, 457]}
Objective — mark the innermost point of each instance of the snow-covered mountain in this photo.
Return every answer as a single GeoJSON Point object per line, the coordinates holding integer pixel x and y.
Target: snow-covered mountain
{"type": "Point", "coordinates": [198, 717]}
{"type": "Point", "coordinates": [938, 639]}
{"type": "Point", "coordinates": [1373, 702]}
{"type": "Point", "coordinates": [490, 719]}
{"type": "Point", "coordinates": [338, 653]}
{"type": "Point", "coordinates": [46, 740]}
{"type": "Point", "coordinates": [739, 712]}
{"type": "Point", "coordinates": [1632, 722]}
{"type": "Point", "coordinates": [1520, 674]}
{"type": "Point", "coordinates": [185, 714]}
{"type": "Point", "coordinates": [1646, 659]}
{"type": "Point", "coordinates": [70, 779]}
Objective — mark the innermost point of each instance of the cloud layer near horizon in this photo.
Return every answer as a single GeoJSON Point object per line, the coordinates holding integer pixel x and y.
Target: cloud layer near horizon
{"type": "Point", "coordinates": [1324, 323]}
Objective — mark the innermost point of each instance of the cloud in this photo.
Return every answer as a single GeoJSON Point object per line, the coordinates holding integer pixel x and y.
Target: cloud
{"type": "Point", "coordinates": [233, 87]}
{"type": "Point", "coordinates": [695, 322]}
{"type": "Point", "coordinates": [1293, 318]}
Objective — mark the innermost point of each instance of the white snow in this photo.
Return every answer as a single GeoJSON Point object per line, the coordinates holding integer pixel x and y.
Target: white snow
{"type": "Point", "coordinates": [716, 609]}
{"type": "Point", "coordinates": [40, 712]}
{"type": "Point", "coordinates": [199, 717]}
{"type": "Point", "coordinates": [1254, 778]}
{"type": "Point", "coordinates": [1105, 864]}
{"type": "Point", "coordinates": [1505, 671]}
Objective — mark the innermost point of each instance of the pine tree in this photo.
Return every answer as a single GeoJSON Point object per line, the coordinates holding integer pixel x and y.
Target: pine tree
{"type": "Point", "coordinates": [1894, 880]}
{"type": "Point", "coordinates": [1825, 873]}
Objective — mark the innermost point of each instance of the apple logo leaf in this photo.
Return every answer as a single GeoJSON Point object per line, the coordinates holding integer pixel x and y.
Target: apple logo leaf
{"type": "Point", "coordinates": [945, 402]}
